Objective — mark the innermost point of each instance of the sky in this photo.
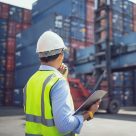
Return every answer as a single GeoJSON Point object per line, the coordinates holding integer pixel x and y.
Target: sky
{"type": "Point", "coordinates": [20, 3]}
{"type": "Point", "coordinates": [27, 3]}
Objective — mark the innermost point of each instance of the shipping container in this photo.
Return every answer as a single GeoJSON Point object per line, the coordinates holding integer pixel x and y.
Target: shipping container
{"type": "Point", "coordinates": [8, 98]}
{"type": "Point", "coordinates": [26, 56]}
{"type": "Point", "coordinates": [77, 29]}
{"type": "Point", "coordinates": [15, 14]}
{"type": "Point", "coordinates": [54, 22]}
{"type": "Point", "coordinates": [24, 74]}
{"type": "Point", "coordinates": [11, 29]}
{"type": "Point", "coordinates": [89, 11]}
{"type": "Point", "coordinates": [84, 68]}
{"type": "Point", "coordinates": [11, 46]}
{"type": "Point", "coordinates": [66, 8]}
{"type": "Point", "coordinates": [3, 29]}
{"type": "Point", "coordinates": [26, 16]}
{"type": "Point", "coordinates": [10, 63]}
{"type": "Point", "coordinates": [89, 33]}
{"type": "Point", "coordinates": [85, 53]}
{"type": "Point", "coordinates": [18, 97]}
{"type": "Point", "coordinates": [18, 27]}
{"type": "Point", "coordinates": [9, 81]}
{"type": "Point", "coordinates": [4, 10]}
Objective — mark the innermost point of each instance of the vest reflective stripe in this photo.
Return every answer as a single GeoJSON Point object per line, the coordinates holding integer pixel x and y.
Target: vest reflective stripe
{"type": "Point", "coordinates": [32, 135]}
{"type": "Point", "coordinates": [51, 122]}
{"type": "Point", "coordinates": [39, 119]}
{"type": "Point", "coordinates": [41, 135]}
{"type": "Point", "coordinates": [24, 97]}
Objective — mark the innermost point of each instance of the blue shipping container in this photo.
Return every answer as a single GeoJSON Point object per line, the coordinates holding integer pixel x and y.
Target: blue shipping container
{"type": "Point", "coordinates": [23, 74]}
{"type": "Point", "coordinates": [32, 34]}
{"type": "Point", "coordinates": [84, 53]}
{"type": "Point", "coordinates": [15, 14]}
{"type": "Point", "coordinates": [26, 56]}
{"type": "Point", "coordinates": [43, 8]}
{"type": "Point", "coordinates": [18, 97]}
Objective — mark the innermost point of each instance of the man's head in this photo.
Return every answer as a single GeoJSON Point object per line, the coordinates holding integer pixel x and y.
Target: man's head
{"type": "Point", "coordinates": [50, 48]}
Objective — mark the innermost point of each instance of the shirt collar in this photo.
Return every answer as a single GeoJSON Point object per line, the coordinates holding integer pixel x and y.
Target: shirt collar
{"type": "Point", "coordinates": [46, 67]}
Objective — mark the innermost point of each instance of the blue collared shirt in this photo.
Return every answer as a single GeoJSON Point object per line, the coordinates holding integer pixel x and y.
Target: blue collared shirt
{"type": "Point", "coordinates": [62, 110]}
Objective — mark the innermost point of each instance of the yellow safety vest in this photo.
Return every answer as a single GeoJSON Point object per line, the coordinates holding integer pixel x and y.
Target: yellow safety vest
{"type": "Point", "coordinates": [37, 105]}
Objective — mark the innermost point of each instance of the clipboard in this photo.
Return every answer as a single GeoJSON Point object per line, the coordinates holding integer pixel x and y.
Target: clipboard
{"type": "Point", "coordinates": [97, 95]}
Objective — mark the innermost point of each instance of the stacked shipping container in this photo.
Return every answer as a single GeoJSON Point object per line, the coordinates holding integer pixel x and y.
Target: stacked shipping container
{"type": "Point", "coordinates": [74, 21]}
{"type": "Point", "coordinates": [12, 20]}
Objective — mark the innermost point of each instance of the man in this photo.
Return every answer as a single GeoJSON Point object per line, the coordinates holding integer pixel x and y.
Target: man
{"type": "Point", "coordinates": [48, 102]}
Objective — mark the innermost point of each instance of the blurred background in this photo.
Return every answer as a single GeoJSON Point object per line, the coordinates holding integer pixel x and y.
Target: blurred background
{"type": "Point", "coordinates": [101, 38]}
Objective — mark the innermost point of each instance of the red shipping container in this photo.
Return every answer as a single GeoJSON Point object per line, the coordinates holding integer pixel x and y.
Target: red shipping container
{"type": "Point", "coordinates": [12, 29]}
{"type": "Point", "coordinates": [77, 44]}
{"type": "Point", "coordinates": [10, 46]}
{"type": "Point", "coordinates": [90, 11]}
{"type": "Point", "coordinates": [4, 10]}
{"type": "Point", "coordinates": [25, 26]}
{"type": "Point", "coordinates": [8, 98]}
{"type": "Point", "coordinates": [134, 9]}
{"type": "Point", "coordinates": [9, 84]}
{"type": "Point", "coordinates": [27, 16]}
{"type": "Point", "coordinates": [10, 61]}
{"type": "Point", "coordinates": [18, 27]}
{"type": "Point", "coordinates": [134, 25]}
{"type": "Point", "coordinates": [90, 32]}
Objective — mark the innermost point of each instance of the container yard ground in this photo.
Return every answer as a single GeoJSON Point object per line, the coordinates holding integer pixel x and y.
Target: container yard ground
{"type": "Point", "coordinates": [12, 123]}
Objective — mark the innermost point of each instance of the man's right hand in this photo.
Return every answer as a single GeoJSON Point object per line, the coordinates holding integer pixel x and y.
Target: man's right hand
{"type": "Point", "coordinates": [92, 109]}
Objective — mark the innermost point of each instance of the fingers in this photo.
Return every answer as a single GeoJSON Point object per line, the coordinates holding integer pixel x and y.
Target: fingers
{"type": "Point", "coordinates": [63, 69]}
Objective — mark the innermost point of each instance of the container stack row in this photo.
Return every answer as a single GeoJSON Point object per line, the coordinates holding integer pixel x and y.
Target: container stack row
{"type": "Point", "coordinates": [12, 21]}
{"type": "Point", "coordinates": [122, 19]}
{"type": "Point", "coordinates": [73, 20]}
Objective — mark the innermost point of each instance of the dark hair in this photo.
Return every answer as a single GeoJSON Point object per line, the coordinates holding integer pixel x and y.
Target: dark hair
{"type": "Point", "coordinates": [50, 58]}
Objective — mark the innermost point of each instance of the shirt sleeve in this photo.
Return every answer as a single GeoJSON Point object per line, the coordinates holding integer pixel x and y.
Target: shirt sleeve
{"type": "Point", "coordinates": [62, 111]}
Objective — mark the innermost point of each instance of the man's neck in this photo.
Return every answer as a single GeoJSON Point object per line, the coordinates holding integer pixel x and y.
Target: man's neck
{"type": "Point", "coordinates": [50, 64]}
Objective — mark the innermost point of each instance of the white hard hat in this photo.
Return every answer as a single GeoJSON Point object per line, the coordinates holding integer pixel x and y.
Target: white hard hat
{"type": "Point", "coordinates": [50, 44]}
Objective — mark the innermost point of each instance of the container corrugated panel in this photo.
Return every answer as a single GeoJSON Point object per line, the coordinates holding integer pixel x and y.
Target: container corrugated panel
{"type": "Point", "coordinates": [4, 10]}
{"type": "Point", "coordinates": [9, 80]}
{"type": "Point", "coordinates": [25, 26]}
{"type": "Point", "coordinates": [1, 98]}
{"type": "Point", "coordinates": [2, 81]}
{"type": "Point", "coordinates": [128, 98]}
{"type": "Point", "coordinates": [117, 5]}
{"type": "Point", "coordinates": [84, 68]}
{"type": "Point", "coordinates": [3, 29]}
{"type": "Point", "coordinates": [90, 11]}
{"type": "Point", "coordinates": [29, 36]}
{"type": "Point", "coordinates": [18, 97]}
{"type": "Point", "coordinates": [2, 48]}
{"type": "Point", "coordinates": [128, 8]}
{"type": "Point", "coordinates": [11, 46]}
{"type": "Point", "coordinates": [26, 16]}
{"type": "Point", "coordinates": [128, 39]}
{"type": "Point", "coordinates": [117, 18]}
{"type": "Point", "coordinates": [78, 29]}
{"type": "Point", "coordinates": [24, 74]}
{"type": "Point", "coordinates": [12, 29]}
{"type": "Point", "coordinates": [89, 33]}
{"type": "Point", "coordinates": [15, 14]}
{"type": "Point", "coordinates": [18, 27]}
{"type": "Point", "coordinates": [84, 53]}
{"type": "Point", "coordinates": [8, 98]}
{"type": "Point", "coordinates": [10, 62]}
{"type": "Point", "coordinates": [67, 8]}
{"type": "Point", "coordinates": [124, 60]}
{"type": "Point", "coordinates": [26, 56]}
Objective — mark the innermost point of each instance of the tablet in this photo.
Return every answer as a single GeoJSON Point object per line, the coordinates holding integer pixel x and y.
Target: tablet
{"type": "Point", "coordinates": [97, 95]}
